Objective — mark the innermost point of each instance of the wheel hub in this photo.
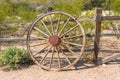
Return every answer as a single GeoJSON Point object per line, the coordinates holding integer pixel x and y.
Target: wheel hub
{"type": "Point", "coordinates": [54, 40]}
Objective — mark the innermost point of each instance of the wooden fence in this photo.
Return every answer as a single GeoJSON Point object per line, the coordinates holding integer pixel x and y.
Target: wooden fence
{"type": "Point", "coordinates": [98, 20]}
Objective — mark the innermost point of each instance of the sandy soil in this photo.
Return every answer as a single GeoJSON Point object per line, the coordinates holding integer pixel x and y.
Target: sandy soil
{"type": "Point", "coordinates": [101, 72]}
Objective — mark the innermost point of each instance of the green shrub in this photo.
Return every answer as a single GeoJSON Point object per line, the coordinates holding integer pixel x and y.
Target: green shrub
{"type": "Point", "coordinates": [115, 6]}
{"type": "Point", "coordinates": [24, 11]}
{"type": "Point", "coordinates": [26, 15]}
{"type": "Point", "coordinates": [14, 58]}
{"type": "Point", "coordinates": [5, 10]}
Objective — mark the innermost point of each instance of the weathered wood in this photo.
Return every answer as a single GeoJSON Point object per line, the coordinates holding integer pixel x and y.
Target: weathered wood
{"type": "Point", "coordinates": [63, 21]}
{"type": "Point", "coordinates": [15, 39]}
{"type": "Point", "coordinates": [86, 19]}
{"type": "Point", "coordinates": [12, 25]}
{"type": "Point", "coordinates": [104, 34]}
{"type": "Point", "coordinates": [110, 17]}
{"type": "Point", "coordinates": [97, 34]}
{"type": "Point", "coordinates": [110, 50]}
{"type": "Point", "coordinates": [109, 58]}
{"type": "Point", "coordinates": [24, 39]}
{"type": "Point", "coordinates": [65, 50]}
{"type": "Point", "coordinates": [110, 34]}
{"type": "Point", "coordinates": [12, 39]}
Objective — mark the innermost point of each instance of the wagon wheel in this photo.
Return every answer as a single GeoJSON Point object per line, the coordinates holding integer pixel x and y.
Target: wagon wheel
{"type": "Point", "coordinates": [56, 41]}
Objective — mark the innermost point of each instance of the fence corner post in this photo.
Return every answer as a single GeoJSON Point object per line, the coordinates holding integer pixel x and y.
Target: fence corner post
{"type": "Point", "coordinates": [97, 34]}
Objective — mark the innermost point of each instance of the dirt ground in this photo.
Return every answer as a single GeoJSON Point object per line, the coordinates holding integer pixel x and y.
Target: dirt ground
{"type": "Point", "coordinates": [101, 72]}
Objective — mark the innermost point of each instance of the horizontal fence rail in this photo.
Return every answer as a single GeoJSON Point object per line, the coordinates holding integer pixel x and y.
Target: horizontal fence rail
{"type": "Point", "coordinates": [17, 39]}
{"type": "Point", "coordinates": [109, 50]}
{"type": "Point", "coordinates": [110, 18]}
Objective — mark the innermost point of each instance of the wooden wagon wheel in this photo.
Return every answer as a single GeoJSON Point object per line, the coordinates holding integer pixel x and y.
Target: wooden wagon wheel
{"type": "Point", "coordinates": [56, 41]}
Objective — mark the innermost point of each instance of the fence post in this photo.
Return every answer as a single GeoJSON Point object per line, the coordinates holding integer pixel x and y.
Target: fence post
{"type": "Point", "coordinates": [97, 34]}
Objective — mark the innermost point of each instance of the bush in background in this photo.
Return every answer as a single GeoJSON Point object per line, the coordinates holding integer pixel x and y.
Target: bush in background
{"type": "Point", "coordinates": [16, 12]}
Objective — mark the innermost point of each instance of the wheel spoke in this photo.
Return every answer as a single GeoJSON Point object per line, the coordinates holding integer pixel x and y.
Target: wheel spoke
{"type": "Point", "coordinates": [52, 56]}
{"type": "Point", "coordinates": [38, 44]}
{"type": "Point", "coordinates": [65, 55]}
{"type": "Point", "coordinates": [69, 30]}
{"type": "Point", "coordinates": [39, 38]}
{"type": "Point", "coordinates": [50, 17]}
{"type": "Point", "coordinates": [59, 18]}
{"type": "Point", "coordinates": [65, 46]}
{"type": "Point", "coordinates": [64, 26]}
{"type": "Point", "coordinates": [45, 55]}
{"type": "Point", "coordinates": [59, 61]}
{"type": "Point", "coordinates": [74, 44]}
{"type": "Point", "coordinates": [73, 37]}
{"type": "Point", "coordinates": [41, 31]}
{"type": "Point", "coordinates": [46, 27]}
{"type": "Point", "coordinates": [38, 52]}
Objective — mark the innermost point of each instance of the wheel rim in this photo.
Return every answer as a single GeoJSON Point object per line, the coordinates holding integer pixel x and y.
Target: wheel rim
{"type": "Point", "coordinates": [56, 41]}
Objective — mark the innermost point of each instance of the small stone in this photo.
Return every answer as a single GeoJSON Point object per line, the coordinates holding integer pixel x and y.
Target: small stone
{"type": "Point", "coordinates": [103, 65]}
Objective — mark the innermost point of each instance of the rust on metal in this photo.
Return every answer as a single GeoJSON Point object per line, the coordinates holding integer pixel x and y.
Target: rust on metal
{"type": "Point", "coordinates": [54, 40]}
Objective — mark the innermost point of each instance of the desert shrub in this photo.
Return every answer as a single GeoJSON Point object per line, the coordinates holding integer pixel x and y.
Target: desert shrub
{"type": "Point", "coordinates": [14, 58]}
